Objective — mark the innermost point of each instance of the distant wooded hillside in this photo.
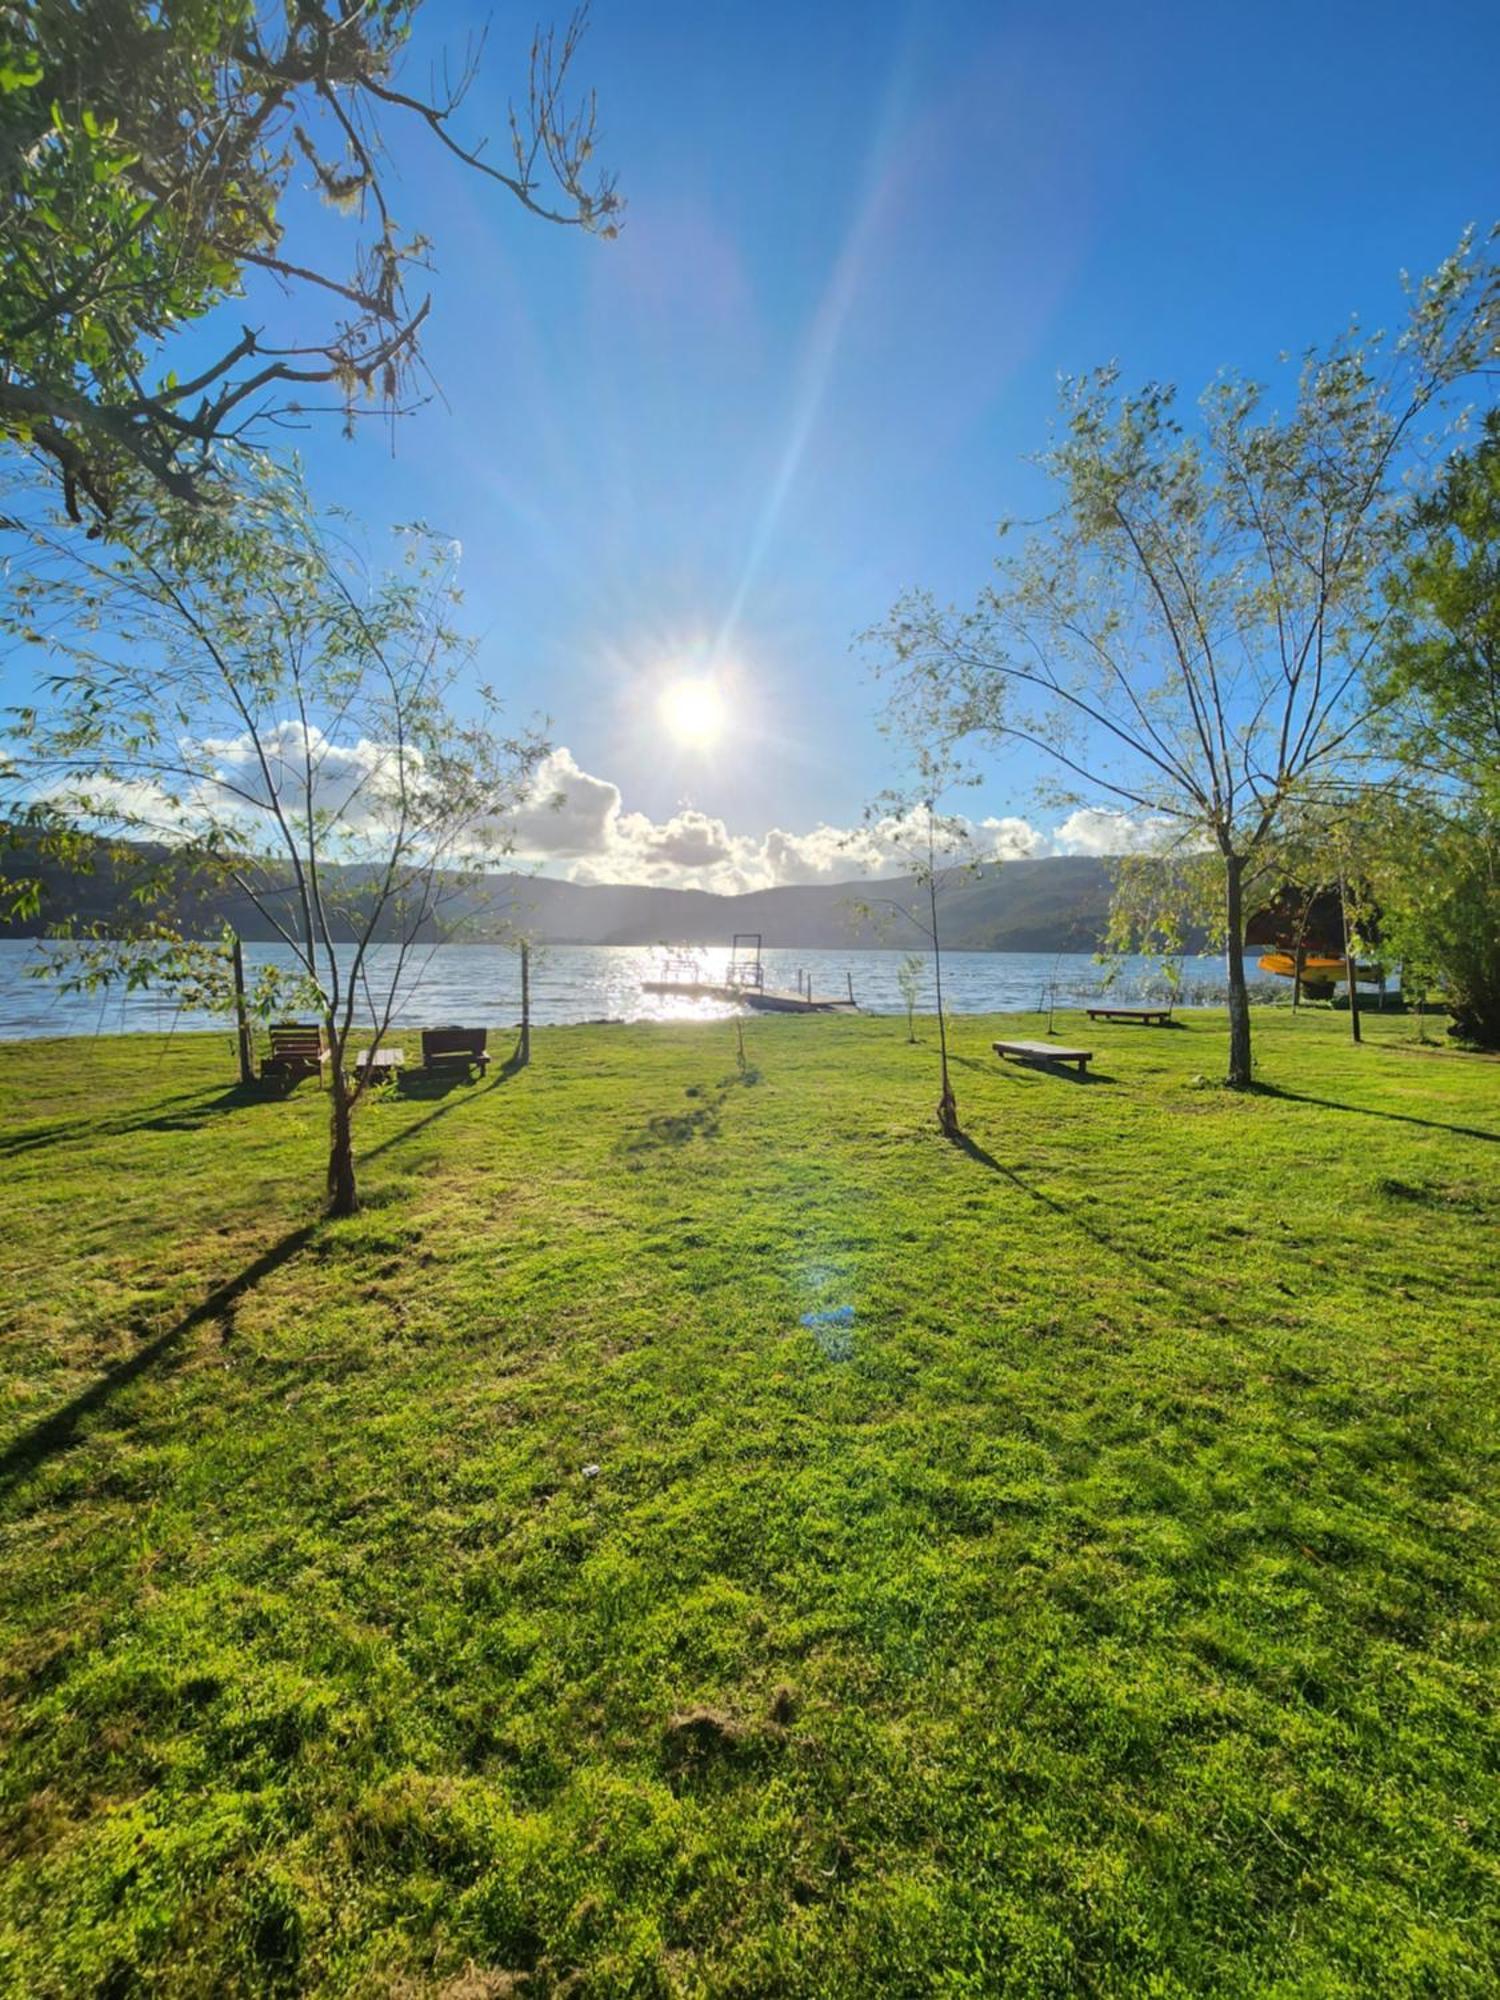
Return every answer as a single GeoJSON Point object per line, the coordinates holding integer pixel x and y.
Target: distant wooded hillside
{"type": "Point", "coordinates": [1059, 904]}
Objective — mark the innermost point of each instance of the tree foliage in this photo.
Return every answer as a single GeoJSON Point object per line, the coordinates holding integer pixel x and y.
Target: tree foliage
{"type": "Point", "coordinates": [236, 684]}
{"type": "Point", "coordinates": [1185, 637]}
{"type": "Point", "coordinates": [1439, 669]}
{"type": "Point", "coordinates": [147, 151]}
{"type": "Point", "coordinates": [1437, 679]}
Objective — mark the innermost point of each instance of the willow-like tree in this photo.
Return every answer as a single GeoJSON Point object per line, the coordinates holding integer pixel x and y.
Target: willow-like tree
{"type": "Point", "coordinates": [149, 150]}
{"type": "Point", "coordinates": [1184, 638]}
{"type": "Point", "coordinates": [239, 688]}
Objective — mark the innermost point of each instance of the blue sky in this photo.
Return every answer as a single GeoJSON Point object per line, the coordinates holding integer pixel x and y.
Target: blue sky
{"type": "Point", "coordinates": [862, 242]}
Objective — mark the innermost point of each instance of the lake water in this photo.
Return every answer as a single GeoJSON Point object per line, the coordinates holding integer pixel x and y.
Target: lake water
{"type": "Point", "coordinates": [480, 986]}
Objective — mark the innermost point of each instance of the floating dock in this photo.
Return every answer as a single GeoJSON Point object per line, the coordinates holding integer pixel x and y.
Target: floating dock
{"type": "Point", "coordinates": [745, 983]}
{"type": "Point", "coordinates": [764, 999]}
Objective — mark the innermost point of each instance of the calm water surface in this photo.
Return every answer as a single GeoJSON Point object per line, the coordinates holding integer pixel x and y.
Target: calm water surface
{"type": "Point", "coordinates": [480, 985]}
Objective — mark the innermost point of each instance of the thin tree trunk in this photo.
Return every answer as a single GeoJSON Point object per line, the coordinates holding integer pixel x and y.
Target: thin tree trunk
{"type": "Point", "coordinates": [343, 1195]}
{"type": "Point", "coordinates": [242, 1019]}
{"type": "Point", "coordinates": [523, 1047]}
{"type": "Point", "coordinates": [1351, 967]}
{"type": "Point", "coordinates": [947, 1104]}
{"type": "Point", "coordinates": [1239, 1076]}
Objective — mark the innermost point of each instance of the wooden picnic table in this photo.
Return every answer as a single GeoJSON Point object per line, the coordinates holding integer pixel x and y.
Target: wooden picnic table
{"type": "Point", "coordinates": [1044, 1052]}
{"type": "Point", "coordinates": [380, 1063]}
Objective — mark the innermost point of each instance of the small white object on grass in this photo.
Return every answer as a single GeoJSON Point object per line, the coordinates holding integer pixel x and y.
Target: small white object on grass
{"type": "Point", "coordinates": [591, 1472]}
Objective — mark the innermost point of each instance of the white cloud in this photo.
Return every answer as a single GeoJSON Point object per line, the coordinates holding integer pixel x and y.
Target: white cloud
{"type": "Point", "coordinates": [1098, 831]}
{"type": "Point", "coordinates": [575, 823]}
{"type": "Point", "coordinates": [1009, 839]}
{"type": "Point", "coordinates": [352, 781]}
{"type": "Point", "coordinates": [569, 813]}
{"type": "Point", "coordinates": [689, 839]}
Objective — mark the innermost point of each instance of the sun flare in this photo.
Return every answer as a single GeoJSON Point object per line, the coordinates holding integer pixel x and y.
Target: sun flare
{"type": "Point", "coordinates": [694, 713]}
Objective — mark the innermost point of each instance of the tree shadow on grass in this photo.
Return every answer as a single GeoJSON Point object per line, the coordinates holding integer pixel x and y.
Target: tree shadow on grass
{"type": "Point", "coordinates": [452, 1091]}
{"type": "Point", "coordinates": [236, 1098]}
{"type": "Point", "coordinates": [1190, 1291]}
{"type": "Point", "coordinates": [1366, 1111]}
{"type": "Point", "coordinates": [55, 1433]}
{"type": "Point", "coordinates": [94, 1127]}
{"type": "Point", "coordinates": [678, 1128]}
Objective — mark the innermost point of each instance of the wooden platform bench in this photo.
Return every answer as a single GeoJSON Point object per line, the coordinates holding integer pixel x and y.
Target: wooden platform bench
{"type": "Point", "coordinates": [296, 1051]}
{"type": "Point", "coordinates": [1044, 1052]}
{"type": "Point", "coordinates": [1149, 1017]}
{"type": "Point", "coordinates": [455, 1048]}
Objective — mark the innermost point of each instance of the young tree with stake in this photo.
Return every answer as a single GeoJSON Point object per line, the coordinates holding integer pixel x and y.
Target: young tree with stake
{"type": "Point", "coordinates": [935, 852]}
{"type": "Point", "coordinates": [239, 686]}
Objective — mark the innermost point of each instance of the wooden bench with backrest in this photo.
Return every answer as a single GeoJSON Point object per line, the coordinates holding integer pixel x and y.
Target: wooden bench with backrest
{"type": "Point", "coordinates": [297, 1051]}
{"type": "Point", "coordinates": [448, 1048]}
{"type": "Point", "coordinates": [1149, 1017]}
{"type": "Point", "coordinates": [1044, 1052]}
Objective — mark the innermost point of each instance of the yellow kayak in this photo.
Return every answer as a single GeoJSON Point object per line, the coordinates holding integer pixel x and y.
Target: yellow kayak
{"type": "Point", "coordinates": [1315, 967]}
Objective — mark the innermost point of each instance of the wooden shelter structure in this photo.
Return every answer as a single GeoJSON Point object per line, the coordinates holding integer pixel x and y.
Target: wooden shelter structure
{"type": "Point", "coordinates": [1303, 934]}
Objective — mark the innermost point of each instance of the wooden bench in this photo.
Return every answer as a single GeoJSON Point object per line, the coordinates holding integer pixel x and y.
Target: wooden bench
{"type": "Point", "coordinates": [448, 1048]}
{"type": "Point", "coordinates": [1149, 1017]}
{"type": "Point", "coordinates": [296, 1051]}
{"type": "Point", "coordinates": [1044, 1052]}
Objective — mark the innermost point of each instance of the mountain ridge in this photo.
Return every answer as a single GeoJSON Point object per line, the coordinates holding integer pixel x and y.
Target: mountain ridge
{"type": "Point", "coordinates": [1057, 903]}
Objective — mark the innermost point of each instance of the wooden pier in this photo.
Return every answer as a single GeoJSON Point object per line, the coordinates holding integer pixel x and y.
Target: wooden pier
{"type": "Point", "coordinates": [745, 983]}
{"type": "Point", "coordinates": [764, 999]}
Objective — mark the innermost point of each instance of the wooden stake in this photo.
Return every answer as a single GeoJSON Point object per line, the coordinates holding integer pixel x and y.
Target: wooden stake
{"type": "Point", "coordinates": [1351, 969]}
{"type": "Point", "coordinates": [523, 1051]}
{"type": "Point", "coordinates": [242, 1019]}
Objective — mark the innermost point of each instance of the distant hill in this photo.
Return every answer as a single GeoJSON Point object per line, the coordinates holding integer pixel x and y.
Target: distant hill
{"type": "Point", "coordinates": [1060, 904]}
{"type": "Point", "coordinates": [1053, 905]}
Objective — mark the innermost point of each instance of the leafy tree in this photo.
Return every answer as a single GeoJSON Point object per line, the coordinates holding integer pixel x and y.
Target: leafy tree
{"type": "Point", "coordinates": [147, 149]}
{"type": "Point", "coordinates": [1184, 638]}
{"type": "Point", "coordinates": [1159, 903]}
{"type": "Point", "coordinates": [1437, 680]}
{"type": "Point", "coordinates": [234, 683]}
{"type": "Point", "coordinates": [1440, 910]}
{"type": "Point", "coordinates": [1438, 672]}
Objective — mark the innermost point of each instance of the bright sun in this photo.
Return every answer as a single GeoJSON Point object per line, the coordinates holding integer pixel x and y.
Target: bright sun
{"type": "Point", "coordinates": [693, 712]}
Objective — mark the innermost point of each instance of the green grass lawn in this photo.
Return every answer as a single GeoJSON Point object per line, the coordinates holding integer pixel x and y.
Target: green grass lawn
{"type": "Point", "coordinates": [506, 1591]}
